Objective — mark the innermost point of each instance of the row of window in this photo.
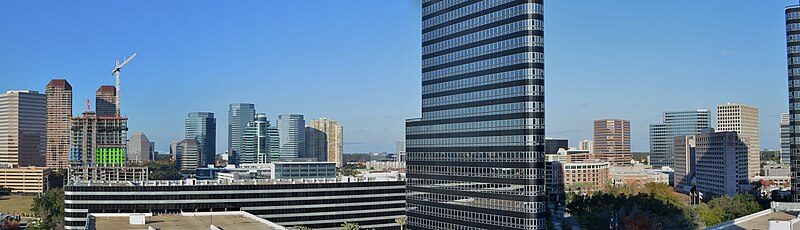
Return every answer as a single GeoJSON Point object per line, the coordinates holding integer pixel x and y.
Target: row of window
{"type": "Point", "coordinates": [507, 205]}
{"type": "Point", "coordinates": [527, 57]}
{"type": "Point", "coordinates": [528, 123]}
{"type": "Point", "coordinates": [515, 140]}
{"type": "Point", "coordinates": [515, 107]}
{"type": "Point", "coordinates": [517, 42]}
{"type": "Point", "coordinates": [463, 11]}
{"type": "Point", "coordinates": [524, 25]}
{"type": "Point", "coordinates": [477, 156]}
{"type": "Point", "coordinates": [514, 91]}
{"type": "Point", "coordinates": [478, 21]}
{"type": "Point", "coordinates": [444, 4]}
{"type": "Point", "coordinates": [793, 26]}
{"type": "Point", "coordinates": [489, 188]}
{"type": "Point", "coordinates": [484, 80]}
{"type": "Point", "coordinates": [476, 217]}
{"type": "Point", "coordinates": [514, 173]}
{"type": "Point", "coordinates": [792, 15]}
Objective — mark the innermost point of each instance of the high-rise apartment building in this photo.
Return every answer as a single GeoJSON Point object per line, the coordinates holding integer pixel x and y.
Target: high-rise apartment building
{"type": "Point", "coordinates": [239, 115]}
{"type": "Point", "coordinates": [139, 148]}
{"type": "Point", "coordinates": [742, 119]}
{"type": "Point", "coordinates": [292, 136]}
{"type": "Point", "coordinates": [23, 128]}
{"type": "Point", "coordinates": [59, 112]}
{"type": "Point", "coordinates": [98, 141]}
{"type": "Point", "coordinates": [105, 101]}
{"type": "Point", "coordinates": [612, 141]}
{"type": "Point", "coordinates": [202, 127]}
{"type": "Point", "coordinates": [785, 139]}
{"type": "Point", "coordinates": [475, 158]}
{"type": "Point", "coordinates": [188, 154]}
{"type": "Point", "coordinates": [793, 64]}
{"type": "Point", "coordinates": [587, 145]}
{"type": "Point", "coordinates": [676, 124]}
{"type": "Point", "coordinates": [721, 164]}
{"type": "Point", "coordinates": [324, 138]}
{"type": "Point", "coordinates": [552, 145]}
{"type": "Point", "coordinates": [255, 141]}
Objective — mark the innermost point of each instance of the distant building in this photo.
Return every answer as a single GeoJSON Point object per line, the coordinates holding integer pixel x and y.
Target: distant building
{"type": "Point", "coordinates": [292, 135]}
{"type": "Point", "coordinates": [173, 150]}
{"type": "Point", "coordinates": [239, 115]}
{"type": "Point", "coordinates": [59, 112]}
{"type": "Point", "coordinates": [612, 141]}
{"type": "Point", "coordinates": [400, 148]}
{"type": "Point", "coordinates": [301, 170]}
{"type": "Point", "coordinates": [187, 154]}
{"type": "Point", "coordinates": [202, 127]}
{"type": "Point", "coordinates": [554, 181]}
{"type": "Point", "coordinates": [274, 142]}
{"type": "Point", "coordinates": [685, 150]}
{"type": "Point", "coordinates": [721, 161]}
{"type": "Point", "coordinates": [785, 139]}
{"type": "Point", "coordinates": [551, 145]}
{"type": "Point", "coordinates": [98, 141]}
{"type": "Point", "coordinates": [324, 138]}
{"type": "Point", "coordinates": [675, 124]}
{"type": "Point", "coordinates": [586, 145]}
{"type": "Point", "coordinates": [23, 128]}
{"type": "Point", "coordinates": [139, 148]}
{"type": "Point", "coordinates": [636, 175]}
{"type": "Point", "coordinates": [777, 170]}
{"type": "Point", "coordinates": [255, 141]}
{"type": "Point", "coordinates": [105, 101]}
{"type": "Point", "coordinates": [24, 179]}
{"type": "Point", "coordinates": [742, 119]}
{"type": "Point", "coordinates": [585, 176]}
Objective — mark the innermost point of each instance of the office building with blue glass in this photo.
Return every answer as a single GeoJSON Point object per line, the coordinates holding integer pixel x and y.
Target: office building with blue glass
{"type": "Point", "coordinates": [202, 127]}
{"type": "Point", "coordinates": [676, 124]}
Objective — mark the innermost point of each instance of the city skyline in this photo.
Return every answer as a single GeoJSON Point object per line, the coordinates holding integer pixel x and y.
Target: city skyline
{"type": "Point", "coordinates": [717, 58]}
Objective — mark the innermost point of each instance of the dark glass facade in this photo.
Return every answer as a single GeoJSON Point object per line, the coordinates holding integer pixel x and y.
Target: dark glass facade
{"type": "Point", "coordinates": [793, 62]}
{"type": "Point", "coordinates": [476, 156]}
{"type": "Point", "coordinates": [372, 205]}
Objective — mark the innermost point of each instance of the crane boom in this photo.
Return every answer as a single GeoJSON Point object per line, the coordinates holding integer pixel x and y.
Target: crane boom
{"type": "Point", "coordinates": [119, 66]}
{"type": "Point", "coordinates": [116, 72]}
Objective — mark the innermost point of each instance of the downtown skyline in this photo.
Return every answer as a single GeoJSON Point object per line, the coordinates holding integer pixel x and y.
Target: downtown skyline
{"type": "Point", "coordinates": [648, 61]}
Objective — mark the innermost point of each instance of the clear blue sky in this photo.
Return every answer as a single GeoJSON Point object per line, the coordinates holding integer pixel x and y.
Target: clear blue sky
{"type": "Point", "coordinates": [358, 62]}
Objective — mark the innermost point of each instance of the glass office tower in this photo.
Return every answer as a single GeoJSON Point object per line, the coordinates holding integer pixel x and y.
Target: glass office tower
{"type": "Point", "coordinates": [676, 124]}
{"type": "Point", "coordinates": [793, 62]}
{"type": "Point", "coordinates": [239, 115]}
{"type": "Point", "coordinates": [202, 127]}
{"type": "Point", "coordinates": [476, 156]}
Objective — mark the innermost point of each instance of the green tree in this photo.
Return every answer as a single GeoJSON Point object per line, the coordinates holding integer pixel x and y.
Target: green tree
{"type": "Point", "coordinates": [350, 226]}
{"type": "Point", "coordinates": [401, 221]}
{"type": "Point", "coordinates": [49, 208]}
{"type": "Point", "coordinates": [163, 170]}
{"type": "Point", "coordinates": [726, 208]}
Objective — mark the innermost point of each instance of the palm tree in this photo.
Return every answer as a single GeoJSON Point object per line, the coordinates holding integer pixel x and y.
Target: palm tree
{"type": "Point", "coordinates": [350, 226]}
{"type": "Point", "coordinates": [401, 221]}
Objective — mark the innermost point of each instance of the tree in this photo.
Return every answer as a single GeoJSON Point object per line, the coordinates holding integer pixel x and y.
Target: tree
{"type": "Point", "coordinates": [49, 208]}
{"type": "Point", "coordinates": [401, 221]}
{"type": "Point", "coordinates": [350, 226]}
{"type": "Point", "coordinates": [163, 170]}
{"type": "Point", "coordinates": [726, 208]}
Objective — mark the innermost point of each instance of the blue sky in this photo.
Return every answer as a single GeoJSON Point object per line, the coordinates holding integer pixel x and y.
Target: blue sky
{"type": "Point", "coordinates": [358, 62]}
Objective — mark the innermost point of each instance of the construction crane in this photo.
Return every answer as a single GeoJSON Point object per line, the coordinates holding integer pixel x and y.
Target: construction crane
{"type": "Point", "coordinates": [116, 72]}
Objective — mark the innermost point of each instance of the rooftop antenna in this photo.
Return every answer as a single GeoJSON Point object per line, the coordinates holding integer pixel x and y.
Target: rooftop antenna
{"type": "Point", "coordinates": [116, 72]}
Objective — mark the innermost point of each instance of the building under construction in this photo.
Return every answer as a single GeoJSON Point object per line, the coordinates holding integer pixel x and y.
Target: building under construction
{"type": "Point", "coordinates": [98, 145]}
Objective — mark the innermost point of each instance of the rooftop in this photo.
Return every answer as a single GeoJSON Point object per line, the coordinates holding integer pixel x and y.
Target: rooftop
{"type": "Point", "coordinates": [222, 220]}
{"type": "Point", "coordinates": [196, 182]}
{"type": "Point", "coordinates": [61, 83]}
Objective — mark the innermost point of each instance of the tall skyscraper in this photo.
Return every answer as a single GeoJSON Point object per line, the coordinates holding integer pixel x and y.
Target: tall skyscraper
{"type": "Point", "coordinates": [98, 141]}
{"type": "Point", "coordinates": [239, 115]}
{"type": "Point", "coordinates": [324, 138]}
{"type": "Point", "coordinates": [23, 128]}
{"type": "Point", "coordinates": [587, 145]}
{"type": "Point", "coordinates": [139, 148]}
{"type": "Point", "coordinates": [105, 101]}
{"type": "Point", "coordinates": [743, 119]}
{"type": "Point", "coordinates": [292, 136]}
{"type": "Point", "coordinates": [612, 141]}
{"type": "Point", "coordinates": [793, 64]}
{"type": "Point", "coordinates": [676, 124]}
{"type": "Point", "coordinates": [476, 156]}
{"type": "Point", "coordinates": [202, 127]}
{"type": "Point", "coordinates": [255, 141]}
{"type": "Point", "coordinates": [785, 139]}
{"type": "Point", "coordinates": [59, 111]}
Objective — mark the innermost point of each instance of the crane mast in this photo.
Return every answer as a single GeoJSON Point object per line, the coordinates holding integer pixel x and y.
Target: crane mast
{"type": "Point", "coordinates": [115, 72]}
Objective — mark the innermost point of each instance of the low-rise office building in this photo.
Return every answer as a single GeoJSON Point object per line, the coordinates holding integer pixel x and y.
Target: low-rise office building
{"type": "Point", "coordinates": [24, 179]}
{"type": "Point", "coordinates": [318, 204]}
{"type": "Point", "coordinates": [585, 176]}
